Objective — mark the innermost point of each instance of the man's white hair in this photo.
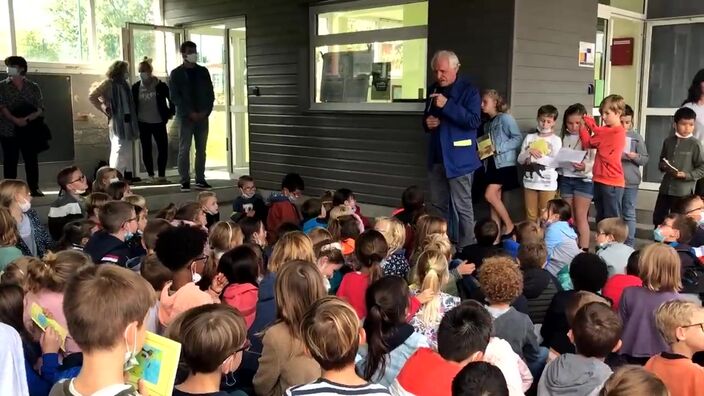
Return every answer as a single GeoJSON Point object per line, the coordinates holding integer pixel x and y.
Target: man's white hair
{"type": "Point", "coordinates": [445, 54]}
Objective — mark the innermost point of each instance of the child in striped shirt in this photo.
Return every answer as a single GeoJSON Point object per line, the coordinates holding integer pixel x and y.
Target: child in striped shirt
{"type": "Point", "coordinates": [332, 333]}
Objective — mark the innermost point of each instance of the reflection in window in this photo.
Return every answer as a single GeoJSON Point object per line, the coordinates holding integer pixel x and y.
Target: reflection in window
{"type": "Point", "coordinates": [373, 55]}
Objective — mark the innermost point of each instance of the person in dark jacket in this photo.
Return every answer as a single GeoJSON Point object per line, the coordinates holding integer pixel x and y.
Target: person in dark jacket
{"type": "Point", "coordinates": [69, 205]}
{"type": "Point", "coordinates": [192, 93]}
{"type": "Point", "coordinates": [110, 245]}
{"type": "Point", "coordinates": [677, 231]}
{"type": "Point", "coordinates": [21, 104]}
{"type": "Point", "coordinates": [539, 286]}
{"type": "Point", "coordinates": [154, 109]}
{"type": "Point", "coordinates": [588, 273]}
{"type": "Point", "coordinates": [249, 203]}
{"type": "Point", "coordinates": [451, 119]}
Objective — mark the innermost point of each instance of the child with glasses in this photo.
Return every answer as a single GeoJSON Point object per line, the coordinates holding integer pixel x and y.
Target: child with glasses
{"type": "Point", "coordinates": [69, 204]}
{"type": "Point", "coordinates": [249, 203]}
{"type": "Point", "coordinates": [681, 325]}
{"type": "Point", "coordinates": [213, 338]}
{"type": "Point", "coordinates": [120, 223]}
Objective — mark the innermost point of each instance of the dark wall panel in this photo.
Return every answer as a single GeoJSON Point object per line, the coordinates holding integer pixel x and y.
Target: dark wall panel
{"type": "Point", "coordinates": [376, 155]}
{"type": "Point", "coordinates": [674, 8]}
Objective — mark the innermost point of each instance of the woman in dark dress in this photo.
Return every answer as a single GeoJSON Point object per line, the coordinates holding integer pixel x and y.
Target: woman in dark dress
{"type": "Point", "coordinates": [21, 106]}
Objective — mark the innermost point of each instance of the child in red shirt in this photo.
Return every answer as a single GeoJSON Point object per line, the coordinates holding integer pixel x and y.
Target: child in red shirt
{"type": "Point", "coordinates": [371, 248]}
{"type": "Point", "coordinates": [609, 142]}
{"type": "Point", "coordinates": [615, 286]}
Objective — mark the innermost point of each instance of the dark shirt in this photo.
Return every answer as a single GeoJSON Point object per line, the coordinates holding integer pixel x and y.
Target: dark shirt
{"type": "Point", "coordinates": [12, 98]}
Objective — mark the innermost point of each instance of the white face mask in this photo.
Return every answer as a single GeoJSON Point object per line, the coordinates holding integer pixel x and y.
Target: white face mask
{"type": "Point", "coordinates": [79, 192]}
{"type": "Point", "coordinates": [543, 130]}
{"type": "Point", "coordinates": [144, 76]}
{"type": "Point", "coordinates": [130, 360]}
{"type": "Point", "coordinates": [247, 195]}
{"type": "Point", "coordinates": [195, 276]}
{"type": "Point", "coordinates": [701, 218]}
{"type": "Point", "coordinates": [13, 71]}
{"type": "Point", "coordinates": [192, 58]}
{"type": "Point", "coordinates": [114, 180]}
{"type": "Point", "coordinates": [25, 206]}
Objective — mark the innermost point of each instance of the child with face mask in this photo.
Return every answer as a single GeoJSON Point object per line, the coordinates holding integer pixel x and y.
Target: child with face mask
{"type": "Point", "coordinates": [249, 203]}
{"type": "Point", "coordinates": [282, 205]}
{"type": "Point", "coordinates": [68, 206]}
{"type": "Point", "coordinates": [209, 202]}
{"type": "Point", "coordinates": [180, 249]}
{"type": "Point", "coordinates": [676, 231]}
{"type": "Point", "coordinates": [610, 237]}
{"type": "Point", "coordinates": [537, 151]}
{"type": "Point", "coordinates": [110, 245]}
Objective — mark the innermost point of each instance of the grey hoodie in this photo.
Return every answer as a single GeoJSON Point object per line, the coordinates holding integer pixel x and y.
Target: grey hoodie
{"type": "Point", "coordinates": [631, 167]}
{"type": "Point", "coordinates": [573, 375]}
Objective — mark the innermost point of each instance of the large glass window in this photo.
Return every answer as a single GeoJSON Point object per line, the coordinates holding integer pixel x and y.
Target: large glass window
{"type": "Point", "coordinates": [369, 56]}
{"type": "Point", "coordinates": [5, 38]}
{"type": "Point", "coordinates": [112, 15]}
{"type": "Point", "coordinates": [52, 30]}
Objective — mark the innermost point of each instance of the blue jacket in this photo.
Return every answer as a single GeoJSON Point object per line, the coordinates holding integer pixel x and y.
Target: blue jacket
{"type": "Point", "coordinates": [459, 120]}
{"type": "Point", "coordinates": [507, 139]}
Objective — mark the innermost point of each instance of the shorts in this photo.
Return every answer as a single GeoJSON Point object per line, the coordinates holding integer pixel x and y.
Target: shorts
{"type": "Point", "coordinates": [575, 186]}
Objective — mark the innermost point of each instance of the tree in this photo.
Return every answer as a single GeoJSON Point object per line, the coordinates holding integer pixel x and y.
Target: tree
{"type": "Point", "coordinates": [111, 16]}
{"type": "Point", "coordinates": [38, 48]}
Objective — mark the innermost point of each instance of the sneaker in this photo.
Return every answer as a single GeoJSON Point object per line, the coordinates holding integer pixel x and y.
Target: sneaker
{"type": "Point", "coordinates": [185, 187]}
{"type": "Point", "coordinates": [203, 185]}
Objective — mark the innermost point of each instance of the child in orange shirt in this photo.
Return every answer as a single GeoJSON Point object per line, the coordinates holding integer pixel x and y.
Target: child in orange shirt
{"type": "Point", "coordinates": [609, 142]}
{"type": "Point", "coordinates": [681, 324]}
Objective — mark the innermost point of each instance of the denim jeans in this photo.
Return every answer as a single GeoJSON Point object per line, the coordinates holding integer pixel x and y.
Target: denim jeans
{"type": "Point", "coordinates": [197, 132]}
{"type": "Point", "coordinates": [607, 200]}
{"type": "Point", "coordinates": [459, 190]}
{"type": "Point", "coordinates": [628, 206]}
{"type": "Point", "coordinates": [536, 364]}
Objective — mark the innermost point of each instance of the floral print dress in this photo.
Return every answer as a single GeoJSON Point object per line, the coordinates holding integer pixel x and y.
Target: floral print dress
{"type": "Point", "coordinates": [430, 330]}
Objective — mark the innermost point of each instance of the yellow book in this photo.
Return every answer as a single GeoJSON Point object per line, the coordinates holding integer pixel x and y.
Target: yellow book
{"type": "Point", "coordinates": [485, 147]}
{"type": "Point", "coordinates": [541, 145]}
{"type": "Point", "coordinates": [39, 317]}
{"type": "Point", "coordinates": [158, 362]}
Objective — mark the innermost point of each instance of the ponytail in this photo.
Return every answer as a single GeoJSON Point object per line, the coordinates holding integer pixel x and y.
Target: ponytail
{"type": "Point", "coordinates": [371, 249]}
{"type": "Point", "coordinates": [432, 274]}
{"type": "Point", "coordinates": [387, 301]}
{"type": "Point", "coordinates": [54, 270]}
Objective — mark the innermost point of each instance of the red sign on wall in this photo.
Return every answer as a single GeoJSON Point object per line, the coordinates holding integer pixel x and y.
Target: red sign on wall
{"type": "Point", "coordinates": [622, 51]}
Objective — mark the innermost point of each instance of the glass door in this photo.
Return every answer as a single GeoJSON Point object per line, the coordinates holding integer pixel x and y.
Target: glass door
{"type": "Point", "coordinates": [161, 44]}
{"type": "Point", "coordinates": [239, 119]}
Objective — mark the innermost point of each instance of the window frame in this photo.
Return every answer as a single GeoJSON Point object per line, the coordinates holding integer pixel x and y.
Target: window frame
{"type": "Point", "coordinates": [645, 110]}
{"type": "Point", "coordinates": [91, 66]}
{"type": "Point", "coordinates": [363, 37]}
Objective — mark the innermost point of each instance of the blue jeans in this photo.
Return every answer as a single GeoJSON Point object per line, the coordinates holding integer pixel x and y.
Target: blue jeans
{"type": "Point", "coordinates": [628, 205]}
{"type": "Point", "coordinates": [536, 364]}
{"type": "Point", "coordinates": [607, 200]}
{"type": "Point", "coordinates": [198, 133]}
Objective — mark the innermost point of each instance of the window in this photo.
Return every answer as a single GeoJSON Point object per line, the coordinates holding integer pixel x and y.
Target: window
{"type": "Point", "coordinates": [52, 30]}
{"type": "Point", "coordinates": [368, 58]}
{"type": "Point", "coordinates": [77, 32]}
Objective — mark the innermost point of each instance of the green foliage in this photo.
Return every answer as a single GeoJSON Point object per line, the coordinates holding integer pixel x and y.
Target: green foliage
{"type": "Point", "coordinates": [111, 16]}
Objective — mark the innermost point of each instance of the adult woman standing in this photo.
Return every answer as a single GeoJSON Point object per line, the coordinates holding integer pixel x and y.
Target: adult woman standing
{"type": "Point", "coordinates": [695, 101]}
{"type": "Point", "coordinates": [114, 99]}
{"type": "Point", "coordinates": [20, 103]}
{"type": "Point", "coordinates": [154, 109]}
{"type": "Point", "coordinates": [34, 238]}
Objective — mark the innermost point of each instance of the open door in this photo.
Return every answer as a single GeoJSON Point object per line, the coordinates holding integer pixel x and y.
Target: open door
{"type": "Point", "coordinates": [162, 45]}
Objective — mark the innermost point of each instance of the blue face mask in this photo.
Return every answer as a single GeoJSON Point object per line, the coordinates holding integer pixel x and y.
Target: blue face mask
{"type": "Point", "coordinates": [658, 236]}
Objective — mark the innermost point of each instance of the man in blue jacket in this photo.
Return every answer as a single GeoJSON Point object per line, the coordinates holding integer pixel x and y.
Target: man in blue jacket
{"type": "Point", "coordinates": [192, 93]}
{"type": "Point", "coordinates": [451, 118]}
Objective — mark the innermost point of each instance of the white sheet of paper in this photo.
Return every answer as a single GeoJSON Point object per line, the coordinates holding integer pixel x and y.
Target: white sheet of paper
{"type": "Point", "coordinates": [567, 155]}
{"type": "Point", "coordinates": [627, 147]}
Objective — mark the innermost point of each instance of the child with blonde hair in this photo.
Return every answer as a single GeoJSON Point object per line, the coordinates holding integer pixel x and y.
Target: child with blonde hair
{"type": "Point", "coordinates": [681, 325]}
{"type": "Point", "coordinates": [8, 239]}
{"type": "Point", "coordinates": [659, 268]}
{"type": "Point", "coordinates": [104, 177]}
{"type": "Point", "coordinates": [332, 334]}
{"type": "Point", "coordinates": [224, 236]}
{"type": "Point", "coordinates": [136, 200]}
{"type": "Point", "coordinates": [46, 285]}
{"type": "Point", "coordinates": [432, 274]}
{"type": "Point", "coordinates": [284, 361]}
{"type": "Point", "coordinates": [318, 235]}
{"type": "Point", "coordinates": [631, 380]}
{"type": "Point", "coordinates": [394, 232]}
{"type": "Point", "coordinates": [16, 272]}
{"type": "Point", "coordinates": [611, 234]}
{"type": "Point", "coordinates": [329, 259]}
{"type": "Point", "coordinates": [209, 201]}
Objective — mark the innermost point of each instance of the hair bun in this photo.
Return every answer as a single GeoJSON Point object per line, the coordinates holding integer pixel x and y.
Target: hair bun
{"type": "Point", "coordinates": [49, 258]}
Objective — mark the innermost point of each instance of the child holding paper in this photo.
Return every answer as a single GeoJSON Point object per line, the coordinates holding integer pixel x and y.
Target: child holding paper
{"type": "Point", "coordinates": [537, 153]}
{"type": "Point", "coordinates": [576, 185]}
{"type": "Point", "coordinates": [501, 173]}
{"type": "Point", "coordinates": [634, 156]}
{"type": "Point", "coordinates": [682, 160]}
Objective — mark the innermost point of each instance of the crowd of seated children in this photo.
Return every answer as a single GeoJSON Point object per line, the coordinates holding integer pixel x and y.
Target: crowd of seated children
{"type": "Point", "coordinates": [611, 233]}
{"type": "Point", "coordinates": [432, 274]}
{"type": "Point", "coordinates": [394, 232]}
{"type": "Point", "coordinates": [617, 283]}
{"type": "Point", "coordinates": [539, 286]}
{"type": "Point", "coordinates": [370, 250]}
{"type": "Point", "coordinates": [284, 362]}
{"type": "Point", "coordinates": [596, 332]}
{"type": "Point", "coordinates": [526, 231]}
{"type": "Point", "coordinates": [502, 283]}
{"type": "Point", "coordinates": [681, 325]}
{"type": "Point", "coordinates": [313, 215]}
{"type": "Point", "coordinates": [587, 272]}
{"type": "Point", "coordinates": [332, 335]}
{"type": "Point", "coordinates": [346, 197]}
{"type": "Point", "coordinates": [281, 207]}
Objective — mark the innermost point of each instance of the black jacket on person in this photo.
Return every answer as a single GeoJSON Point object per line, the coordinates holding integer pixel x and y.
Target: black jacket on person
{"type": "Point", "coordinates": [163, 100]}
{"type": "Point", "coordinates": [106, 248]}
{"type": "Point", "coordinates": [539, 287]}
